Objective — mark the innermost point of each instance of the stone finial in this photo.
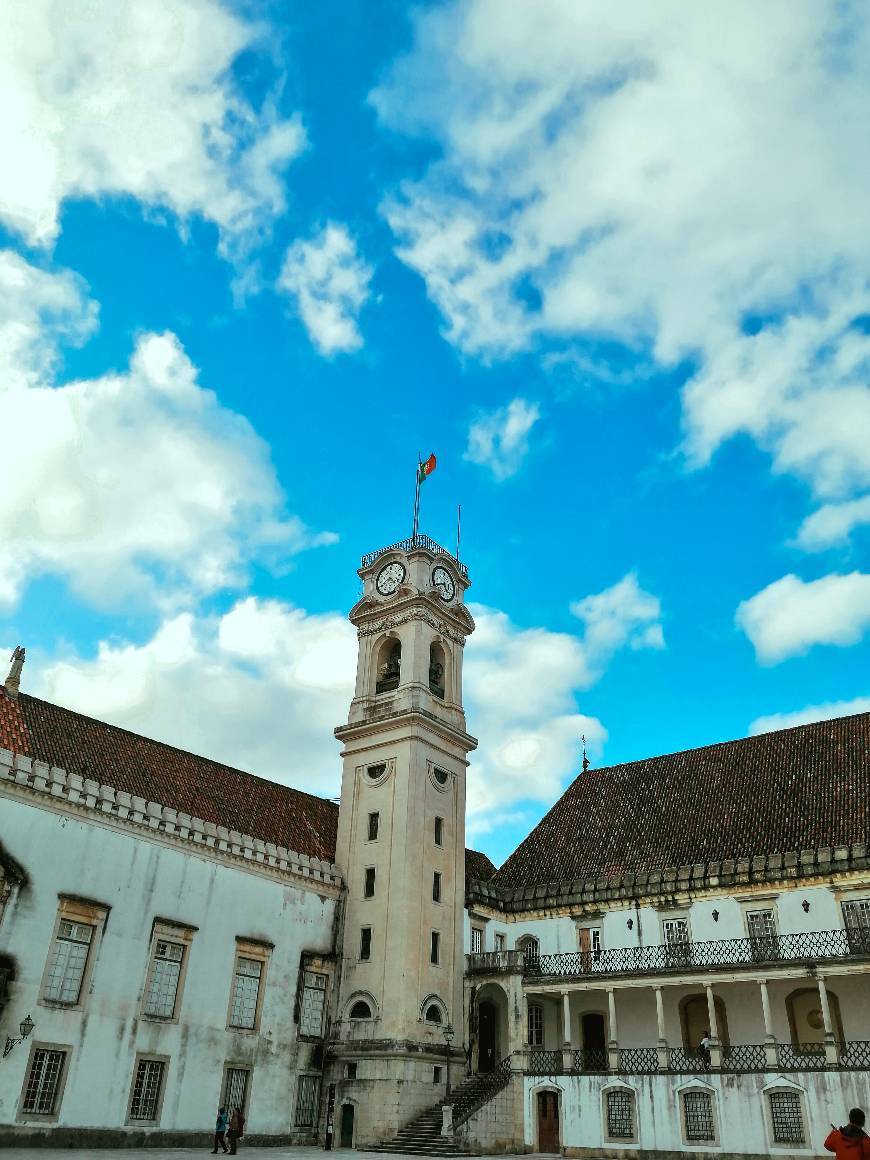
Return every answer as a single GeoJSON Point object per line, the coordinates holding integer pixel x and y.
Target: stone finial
{"type": "Point", "coordinates": [14, 679]}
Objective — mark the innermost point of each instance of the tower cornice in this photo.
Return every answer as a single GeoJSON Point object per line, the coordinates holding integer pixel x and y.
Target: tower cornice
{"type": "Point", "coordinates": [403, 721]}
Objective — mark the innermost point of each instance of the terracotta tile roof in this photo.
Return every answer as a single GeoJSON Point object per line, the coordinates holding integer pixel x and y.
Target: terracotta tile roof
{"type": "Point", "coordinates": [160, 773]}
{"type": "Point", "coordinates": [795, 789]}
{"type": "Point", "coordinates": [478, 866]}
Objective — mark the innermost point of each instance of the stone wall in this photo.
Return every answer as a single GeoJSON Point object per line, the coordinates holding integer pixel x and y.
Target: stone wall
{"type": "Point", "coordinates": [497, 1127]}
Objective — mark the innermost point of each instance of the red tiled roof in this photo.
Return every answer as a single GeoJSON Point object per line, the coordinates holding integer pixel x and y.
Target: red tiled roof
{"type": "Point", "coordinates": [160, 773]}
{"type": "Point", "coordinates": [478, 866]}
{"type": "Point", "coordinates": [795, 789]}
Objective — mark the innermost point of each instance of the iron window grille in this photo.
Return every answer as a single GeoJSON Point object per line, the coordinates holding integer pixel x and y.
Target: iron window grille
{"type": "Point", "coordinates": [163, 984]}
{"type": "Point", "coordinates": [246, 992]}
{"type": "Point", "coordinates": [620, 1115]}
{"type": "Point", "coordinates": [69, 958]}
{"type": "Point", "coordinates": [698, 1117]}
{"type": "Point", "coordinates": [313, 1003]}
{"type": "Point", "coordinates": [146, 1089]}
{"type": "Point", "coordinates": [236, 1088]}
{"type": "Point", "coordinates": [536, 1025]}
{"type": "Point", "coordinates": [786, 1118]}
{"type": "Point", "coordinates": [43, 1082]}
{"type": "Point", "coordinates": [307, 1097]}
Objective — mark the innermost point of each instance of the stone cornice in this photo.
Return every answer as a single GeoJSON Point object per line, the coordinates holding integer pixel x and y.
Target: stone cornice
{"type": "Point", "coordinates": [588, 894]}
{"type": "Point", "coordinates": [53, 788]}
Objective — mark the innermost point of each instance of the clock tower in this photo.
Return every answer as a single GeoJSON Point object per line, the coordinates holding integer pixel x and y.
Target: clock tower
{"type": "Point", "coordinates": [401, 842]}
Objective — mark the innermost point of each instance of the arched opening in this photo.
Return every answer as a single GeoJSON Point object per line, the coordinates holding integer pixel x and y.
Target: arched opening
{"type": "Point", "coordinates": [389, 665]}
{"type": "Point", "coordinates": [488, 1030]}
{"type": "Point", "coordinates": [549, 1135]}
{"type": "Point", "coordinates": [807, 1022]}
{"type": "Point", "coordinates": [437, 669]}
{"type": "Point", "coordinates": [695, 1021]}
{"type": "Point", "coordinates": [530, 947]}
{"type": "Point", "coordinates": [433, 1014]}
{"type": "Point", "coordinates": [360, 1010]}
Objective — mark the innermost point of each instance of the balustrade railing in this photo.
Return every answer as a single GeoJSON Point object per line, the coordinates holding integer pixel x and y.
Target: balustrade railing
{"type": "Point", "coordinates": [810, 946]}
{"type": "Point", "coordinates": [744, 1057]}
{"type": "Point", "coordinates": [591, 1059]}
{"type": "Point", "coordinates": [539, 1062]}
{"type": "Point", "coordinates": [638, 1060]}
{"type": "Point", "coordinates": [801, 1056]}
{"type": "Point", "coordinates": [412, 543]}
{"type": "Point", "coordinates": [856, 1055]}
{"type": "Point", "coordinates": [686, 1062]}
{"type": "Point", "coordinates": [735, 1058]}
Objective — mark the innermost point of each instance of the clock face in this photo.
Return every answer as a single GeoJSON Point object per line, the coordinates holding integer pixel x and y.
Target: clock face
{"type": "Point", "coordinates": [389, 578]}
{"type": "Point", "coordinates": [443, 581]}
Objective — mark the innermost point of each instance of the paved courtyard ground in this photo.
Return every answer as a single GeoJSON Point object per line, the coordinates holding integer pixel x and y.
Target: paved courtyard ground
{"type": "Point", "coordinates": [186, 1153]}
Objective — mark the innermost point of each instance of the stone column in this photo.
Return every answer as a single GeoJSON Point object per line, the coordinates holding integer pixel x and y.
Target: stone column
{"type": "Point", "coordinates": [715, 1045]}
{"type": "Point", "coordinates": [831, 1054]}
{"type": "Point", "coordinates": [662, 1046]}
{"type": "Point", "coordinates": [567, 1053]}
{"type": "Point", "coordinates": [613, 1042]}
{"type": "Point", "coordinates": [770, 1053]}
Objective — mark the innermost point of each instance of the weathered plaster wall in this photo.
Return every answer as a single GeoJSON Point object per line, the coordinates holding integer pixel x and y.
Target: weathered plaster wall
{"type": "Point", "coordinates": [140, 880]}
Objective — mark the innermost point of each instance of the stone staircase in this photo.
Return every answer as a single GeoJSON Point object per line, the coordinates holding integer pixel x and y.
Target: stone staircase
{"type": "Point", "coordinates": [422, 1136]}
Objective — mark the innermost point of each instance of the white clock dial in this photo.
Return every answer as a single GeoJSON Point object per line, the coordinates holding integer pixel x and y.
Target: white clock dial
{"type": "Point", "coordinates": [389, 578]}
{"type": "Point", "coordinates": [443, 581]}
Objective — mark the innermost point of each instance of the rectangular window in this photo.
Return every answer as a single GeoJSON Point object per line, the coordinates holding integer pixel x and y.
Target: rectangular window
{"type": "Point", "coordinates": [147, 1086]}
{"type": "Point", "coordinates": [762, 935]}
{"type": "Point", "coordinates": [369, 884]}
{"type": "Point", "coordinates": [307, 1096]}
{"type": "Point", "coordinates": [162, 990]}
{"type": "Point", "coordinates": [476, 940]}
{"type": "Point", "coordinates": [499, 940]}
{"type": "Point", "coordinates": [439, 831]}
{"type": "Point", "coordinates": [69, 958]}
{"type": "Point", "coordinates": [436, 1074]}
{"type": "Point", "coordinates": [365, 943]}
{"type": "Point", "coordinates": [235, 1093]}
{"type": "Point", "coordinates": [350, 1071]}
{"type": "Point", "coordinates": [374, 826]}
{"type": "Point", "coordinates": [436, 886]}
{"type": "Point", "coordinates": [620, 1115]}
{"type": "Point", "coordinates": [434, 947]}
{"type": "Point", "coordinates": [786, 1119]}
{"type": "Point", "coordinates": [675, 935]}
{"type": "Point", "coordinates": [856, 916]}
{"type": "Point", "coordinates": [313, 1002]}
{"type": "Point", "coordinates": [43, 1083]}
{"type": "Point", "coordinates": [698, 1117]}
{"type": "Point", "coordinates": [536, 1025]}
{"type": "Point", "coordinates": [246, 993]}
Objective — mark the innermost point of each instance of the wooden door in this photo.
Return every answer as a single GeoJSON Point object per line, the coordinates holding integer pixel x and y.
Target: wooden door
{"type": "Point", "coordinates": [347, 1125]}
{"type": "Point", "coordinates": [486, 1045]}
{"type": "Point", "coordinates": [548, 1122]}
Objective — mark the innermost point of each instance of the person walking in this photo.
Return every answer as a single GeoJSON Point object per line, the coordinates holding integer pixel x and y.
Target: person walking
{"type": "Point", "coordinates": [237, 1128]}
{"type": "Point", "coordinates": [850, 1142]}
{"type": "Point", "coordinates": [704, 1049]}
{"type": "Point", "coordinates": [220, 1132]}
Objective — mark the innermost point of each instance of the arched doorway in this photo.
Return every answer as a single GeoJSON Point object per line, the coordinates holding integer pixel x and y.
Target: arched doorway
{"type": "Point", "coordinates": [489, 1027]}
{"type": "Point", "coordinates": [487, 1032]}
{"type": "Point", "coordinates": [805, 1019]}
{"type": "Point", "coordinates": [695, 1021]}
{"type": "Point", "coordinates": [549, 1136]}
{"type": "Point", "coordinates": [346, 1126]}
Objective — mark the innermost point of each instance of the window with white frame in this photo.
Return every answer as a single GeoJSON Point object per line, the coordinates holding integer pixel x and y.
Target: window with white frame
{"type": "Point", "coordinates": [535, 1025]}
{"type": "Point", "coordinates": [147, 1089]}
{"type": "Point", "coordinates": [69, 959]}
{"type": "Point", "coordinates": [42, 1089]}
{"type": "Point", "coordinates": [761, 927]}
{"type": "Point", "coordinates": [162, 991]}
{"type": "Point", "coordinates": [307, 1096]}
{"type": "Point", "coordinates": [476, 940]}
{"type": "Point", "coordinates": [529, 945]}
{"type": "Point", "coordinates": [675, 936]}
{"type": "Point", "coordinates": [699, 1124]}
{"type": "Point", "coordinates": [856, 915]}
{"type": "Point", "coordinates": [786, 1118]}
{"type": "Point", "coordinates": [499, 941]}
{"type": "Point", "coordinates": [313, 1003]}
{"type": "Point", "coordinates": [246, 992]}
{"type": "Point", "coordinates": [619, 1107]}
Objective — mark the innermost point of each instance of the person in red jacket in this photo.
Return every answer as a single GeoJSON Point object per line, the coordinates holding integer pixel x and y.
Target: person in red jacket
{"type": "Point", "coordinates": [851, 1142]}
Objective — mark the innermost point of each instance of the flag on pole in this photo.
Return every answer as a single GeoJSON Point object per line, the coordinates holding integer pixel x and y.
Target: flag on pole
{"type": "Point", "coordinates": [424, 470]}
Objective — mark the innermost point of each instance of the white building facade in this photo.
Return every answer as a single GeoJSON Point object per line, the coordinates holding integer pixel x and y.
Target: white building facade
{"type": "Point", "coordinates": [676, 960]}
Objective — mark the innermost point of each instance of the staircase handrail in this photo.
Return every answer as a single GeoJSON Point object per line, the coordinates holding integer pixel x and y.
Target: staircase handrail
{"type": "Point", "coordinates": [496, 1080]}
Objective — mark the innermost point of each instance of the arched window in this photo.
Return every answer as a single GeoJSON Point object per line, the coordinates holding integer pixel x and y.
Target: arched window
{"type": "Point", "coordinates": [698, 1116]}
{"type": "Point", "coordinates": [437, 669]}
{"type": "Point", "coordinates": [695, 1020]}
{"type": "Point", "coordinates": [389, 666]}
{"type": "Point", "coordinates": [433, 1013]}
{"type": "Point", "coordinates": [360, 1010]}
{"type": "Point", "coordinates": [786, 1116]}
{"type": "Point", "coordinates": [530, 947]}
{"type": "Point", "coordinates": [806, 1020]}
{"type": "Point", "coordinates": [620, 1118]}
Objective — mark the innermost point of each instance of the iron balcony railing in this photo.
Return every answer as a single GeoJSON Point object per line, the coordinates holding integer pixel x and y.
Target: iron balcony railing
{"type": "Point", "coordinates": [411, 544]}
{"type": "Point", "coordinates": [734, 952]}
{"type": "Point", "coordinates": [735, 1058]}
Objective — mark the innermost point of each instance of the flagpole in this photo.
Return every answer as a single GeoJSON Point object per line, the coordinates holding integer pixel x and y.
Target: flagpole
{"type": "Point", "coordinates": [458, 526]}
{"type": "Point", "coordinates": [416, 498]}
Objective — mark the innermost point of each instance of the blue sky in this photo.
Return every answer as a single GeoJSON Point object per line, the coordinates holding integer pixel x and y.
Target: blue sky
{"type": "Point", "coordinates": [611, 267]}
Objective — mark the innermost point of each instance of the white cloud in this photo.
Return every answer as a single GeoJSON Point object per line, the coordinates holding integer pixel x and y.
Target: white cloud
{"type": "Point", "coordinates": [832, 524]}
{"type": "Point", "coordinates": [664, 176]}
{"type": "Point", "coordinates": [103, 99]}
{"type": "Point", "coordinates": [825, 712]}
{"type": "Point", "coordinates": [499, 440]}
{"type": "Point", "coordinates": [137, 483]}
{"type": "Point", "coordinates": [260, 688]}
{"type": "Point", "coordinates": [621, 615]}
{"type": "Point", "coordinates": [328, 283]}
{"type": "Point", "coordinates": [790, 616]}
